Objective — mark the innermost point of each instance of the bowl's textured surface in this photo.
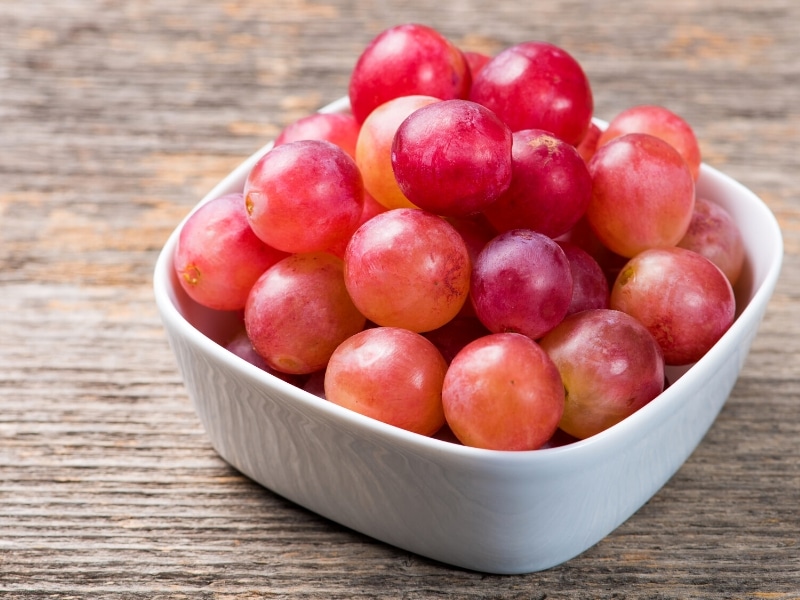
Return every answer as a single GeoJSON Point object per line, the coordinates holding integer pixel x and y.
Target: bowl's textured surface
{"type": "Point", "coordinates": [497, 512]}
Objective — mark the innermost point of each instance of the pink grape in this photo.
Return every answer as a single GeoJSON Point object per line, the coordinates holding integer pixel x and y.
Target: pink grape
{"type": "Point", "coordinates": [374, 148]}
{"type": "Point", "coordinates": [241, 346]}
{"type": "Point", "coordinates": [502, 392]}
{"type": "Point", "coordinates": [452, 157]}
{"type": "Point", "coordinates": [339, 128]}
{"type": "Point", "coordinates": [304, 196]}
{"type": "Point", "coordinates": [642, 194]}
{"type": "Point", "coordinates": [560, 438]}
{"type": "Point", "coordinates": [390, 374]}
{"type": "Point", "coordinates": [406, 60]}
{"type": "Point", "coordinates": [371, 208]}
{"type": "Point", "coordinates": [610, 365]}
{"type": "Point", "coordinates": [590, 287]}
{"type": "Point", "coordinates": [683, 299]}
{"type": "Point", "coordinates": [299, 311]}
{"type": "Point", "coordinates": [714, 234]}
{"type": "Point", "coordinates": [476, 61]}
{"type": "Point", "coordinates": [662, 123]}
{"type": "Point", "coordinates": [588, 145]}
{"type": "Point", "coordinates": [476, 232]}
{"type": "Point", "coordinates": [451, 337]}
{"type": "Point", "coordinates": [582, 236]}
{"type": "Point", "coordinates": [550, 187]}
{"type": "Point", "coordinates": [407, 268]}
{"type": "Point", "coordinates": [521, 282]}
{"type": "Point", "coordinates": [218, 258]}
{"type": "Point", "coordinates": [537, 85]}
{"type": "Point", "coordinates": [315, 384]}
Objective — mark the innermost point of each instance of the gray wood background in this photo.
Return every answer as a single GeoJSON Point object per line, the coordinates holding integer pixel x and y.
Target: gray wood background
{"type": "Point", "coordinates": [116, 117]}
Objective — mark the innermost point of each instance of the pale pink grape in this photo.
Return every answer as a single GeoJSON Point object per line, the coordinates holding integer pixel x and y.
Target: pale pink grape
{"type": "Point", "coordinates": [390, 374]}
{"type": "Point", "coordinates": [407, 268]}
{"type": "Point", "coordinates": [610, 365]}
{"type": "Point", "coordinates": [502, 392]}
{"type": "Point", "coordinates": [218, 258]}
{"type": "Point", "coordinates": [299, 311]}
{"type": "Point", "coordinates": [681, 297]}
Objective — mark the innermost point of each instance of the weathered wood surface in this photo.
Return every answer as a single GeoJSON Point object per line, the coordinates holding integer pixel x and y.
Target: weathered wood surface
{"type": "Point", "coordinates": [116, 117]}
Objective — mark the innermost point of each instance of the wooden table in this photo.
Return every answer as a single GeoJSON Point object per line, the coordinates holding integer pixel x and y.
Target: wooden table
{"type": "Point", "coordinates": [116, 117]}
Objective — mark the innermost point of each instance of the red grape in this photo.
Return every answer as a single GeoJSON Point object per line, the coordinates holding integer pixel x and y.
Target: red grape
{"type": "Point", "coordinates": [642, 194]}
{"type": "Point", "coordinates": [714, 234]}
{"type": "Point", "coordinates": [589, 282]}
{"type": "Point", "coordinates": [682, 298]}
{"type": "Point", "coordinates": [521, 282]}
{"type": "Point", "coordinates": [299, 311]}
{"type": "Point", "coordinates": [405, 60]}
{"type": "Point", "coordinates": [407, 268]}
{"type": "Point", "coordinates": [241, 346]}
{"type": "Point", "coordinates": [582, 236]}
{"type": "Point", "coordinates": [452, 157]}
{"type": "Point", "coordinates": [476, 61]}
{"type": "Point", "coordinates": [451, 337]}
{"type": "Point", "coordinates": [374, 148]}
{"type": "Point", "coordinates": [304, 196]}
{"type": "Point", "coordinates": [550, 186]}
{"type": "Point", "coordinates": [536, 85]}
{"type": "Point", "coordinates": [610, 365]}
{"type": "Point", "coordinates": [588, 145]}
{"type": "Point", "coordinates": [662, 123]}
{"type": "Point", "coordinates": [339, 128]}
{"type": "Point", "coordinates": [390, 374]}
{"type": "Point", "coordinates": [502, 392]}
{"type": "Point", "coordinates": [218, 257]}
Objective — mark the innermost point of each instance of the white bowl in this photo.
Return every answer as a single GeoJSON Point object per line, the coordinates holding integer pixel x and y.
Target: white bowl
{"type": "Point", "coordinates": [490, 511]}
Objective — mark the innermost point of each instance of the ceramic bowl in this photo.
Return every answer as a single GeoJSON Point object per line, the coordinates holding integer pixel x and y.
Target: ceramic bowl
{"type": "Point", "coordinates": [490, 511]}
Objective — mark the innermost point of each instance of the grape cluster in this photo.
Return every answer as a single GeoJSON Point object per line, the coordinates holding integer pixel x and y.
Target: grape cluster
{"type": "Point", "coordinates": [466, 254]}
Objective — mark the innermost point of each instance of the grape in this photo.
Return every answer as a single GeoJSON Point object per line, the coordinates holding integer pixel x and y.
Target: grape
{"type": "Point", "coordinates": [451, 337]}
{"type": "Point", "coordinates": [339, 128]}
{"type": "Point", "coordinates": [218, 258]}
{"type": "Point", "coordinates": [476, 232]}
{"type": "Point", "coordinates": [662, 123]}
{"type": "Point", "coordinates": [241, 346]}
{"type": "Point", "coordinates": [560, 438]}
{"type": "Point", "coordinates": [502, 392]}
{"type": "Point", "coordinates": [682, 298]}
{"type": "Point", "coordinates": [374, 148]}
{"type": "Point", "coordinates": [304, 196]}
{"type": "Point", "coordinates": [407, 268]}
{"type": "Point", "coordinates": [299, 311]}
{"type": "Point", "coordinates": [390, 374]}
{"type": "Point", "coordinates": [589, 282]}
{"type": "Point", "coordinates": [550, 186]}
{"type": "Point", "coordinates": [452, 157]}
{"type": "Point", "coordinates": [371, 208]}
{"type": "Point", "coordinates": [581, 235]}
{"type": "Point", "coordinates": [642, 194]}
{"type": "Point", "coordinates": [536, 85]}
{"type": "Point", "coordinates": [522, 283]}
{"type": "Point", "coordinates": [315, 384]}
{"type": "Point", "coordinates": [406, 60]}
{"type": "Point", "coordinates": [714, 234]}
{"type": "Point", "coordinates": [588, 145]}
{"type": "Point", "coordinates": [610, 365]}
{"type": "Point", "coordinates": [476, 61]}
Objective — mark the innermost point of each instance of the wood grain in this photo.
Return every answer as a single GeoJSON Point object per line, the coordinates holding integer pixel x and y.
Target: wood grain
{"type": "Point", "coordinates": [116, 117]}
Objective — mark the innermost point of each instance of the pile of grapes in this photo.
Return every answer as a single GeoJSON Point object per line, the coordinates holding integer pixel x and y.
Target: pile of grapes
{"type": "Point", "coordinates": [465, 254]}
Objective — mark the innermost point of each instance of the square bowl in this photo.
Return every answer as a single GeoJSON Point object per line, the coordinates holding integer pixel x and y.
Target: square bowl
{"type": "Point", "coordinates": [489, 511]}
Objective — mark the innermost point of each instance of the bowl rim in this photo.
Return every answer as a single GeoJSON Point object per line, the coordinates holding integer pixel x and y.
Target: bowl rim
{"type": "Point", "coordinates": [639, 423]}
